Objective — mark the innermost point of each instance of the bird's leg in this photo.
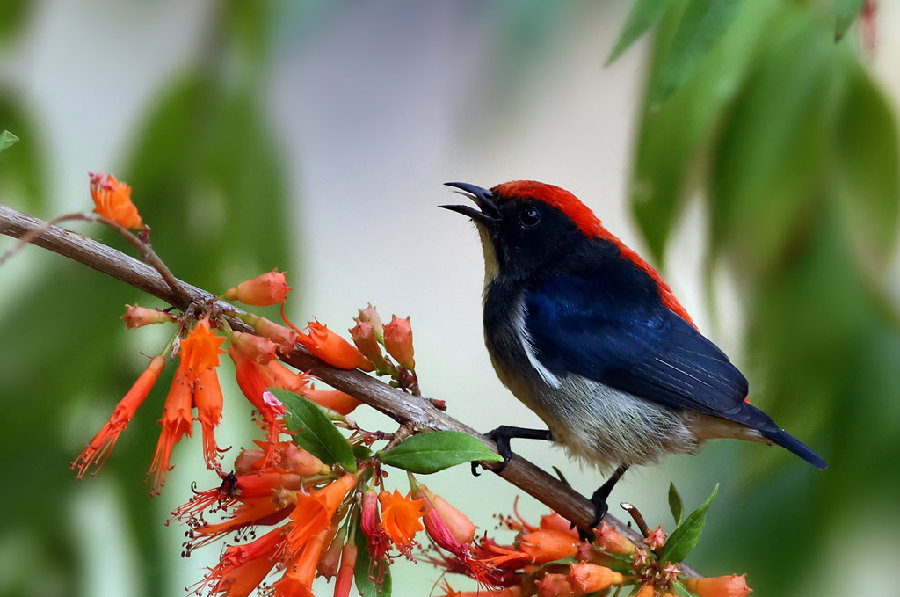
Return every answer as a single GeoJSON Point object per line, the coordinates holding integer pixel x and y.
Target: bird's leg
{"type": "Point", "coordinates": [598, 498]}
{"type": "Point", "coordinates": [502, 436]}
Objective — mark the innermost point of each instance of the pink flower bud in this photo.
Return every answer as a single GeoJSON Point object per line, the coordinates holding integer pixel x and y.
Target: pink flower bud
{"type": "Point", "coordinates": [370, 315]}
{"type": "Point", "coordinates": [588, 578]}
{"type": "Point", "coordinates": [363, 334]}
{"type": "Point", "coordinates": [398, 341]}
{"type": "Point", "coordinates": [446, 516]}
{"type": "Point", "coordinates": [136, 316]}
{"type": "Point", "coordinates": [299, 461]}
{"type": "Point", "coordinates": [261, 291]}
{"type": "Point", "coordinates": [331, 557]}
{"type": "Point", "coordinates": [609, 539]}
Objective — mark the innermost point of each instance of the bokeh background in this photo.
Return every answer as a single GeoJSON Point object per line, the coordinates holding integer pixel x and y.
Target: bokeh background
{"type": "Point", "coordinates": [311, 135]}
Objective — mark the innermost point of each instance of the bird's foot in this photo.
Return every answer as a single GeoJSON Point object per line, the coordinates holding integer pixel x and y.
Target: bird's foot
{"type": "Point", "coordinates": [502, 436]}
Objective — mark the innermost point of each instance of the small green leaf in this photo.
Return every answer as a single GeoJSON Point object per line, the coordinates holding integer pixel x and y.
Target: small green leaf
{"type": "Point", "coordinates": [675, 504]}
{"type": "Point", "coordinates": [845, 12]}
{"type": "Point", "coordinates": [7, 139]}
{"type": "Point", "coordinates": [427, 453]}
{"type": "Point", "coordinates": [680, 590]}
{"type": "Point", "coordinates": [362, 452]}
{"type": "Point", "coordinates": [643, 15]}
{"type": "Point", "coordinates": [685, 536]}
{"type": "Point", "coordinates": [366, 586]}
{"type": "Point", "coordinates": [703, 24]}
{"type": "Point", "coordinates": [313, 430]}
{"type": "Point", "coordinates": [561, 476]}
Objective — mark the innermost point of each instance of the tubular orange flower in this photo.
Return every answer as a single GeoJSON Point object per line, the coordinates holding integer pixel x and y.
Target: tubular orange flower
{"type": "Point", "coordinates": [285, 379]}
{"type": "Point", "coordinates": [555, 522]}
{"type": "Point", "coordinates": [589, 578]}
{"type": "Point", "coordinates": [253, 379]}
{"type": "Point", "coordinates": [113, 201]}
{"type": "Point", "coordinates": [312, 513]}
{"type": "Point", "coordinates": [645, 591]}
{"type": "Point", "coordinates": [243, 567]}
{"type": "Point", "coordinates": [400, 517]}
{"type": "Point", "coordinates": [209, 401]}
{"type": "Point", "coordinates": [301, 570]}
{"type": "Point", "coordinates": [398, 341]}
{"type": "Point", "coordinates": [256, 348]}
{"type": "Point", "coordinates": [345, 573]}
{"type": "Point", "coordinates": [722, 586]}
{"type": "Point", "coordinates": [200, 349]}
{"type": "Point", "coordinates": [281, 335]}
{"type": "Point", "coordinates": [609, 539]}
{"type": "Point", "coordinates": [333, 349]}
{"type": "Point", "coordinates": [176, 423]}
{"type": "Point", "coordinates": [546, 546]}
{"type": "Point", "coordinates": [136, 316]}
{"type": "Point", "coordinates": [554, 585]}
{"type": "Point", "coordinates": [263, 290]}
{"type": "Point", "coordinates": [98, 449]}
{"type": "Point", "coordinates": [335, 400]}
{"type": "Point", "coordinates": [444, 516]}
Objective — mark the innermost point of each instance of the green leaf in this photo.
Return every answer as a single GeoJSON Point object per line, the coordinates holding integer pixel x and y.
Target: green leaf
{"type": "Point", "coordinates": [643, 15]}
{"type": "Point", "coordinates": [313, 430]}
{"type": "Point", "coordinates": [434, 451]}
{"type": "Point", "coordinates": [702, 25]}
{"type": "Point", "coordinates": [685, 536]}
{"type": "Point", "coordinates": [680, 590]}
{"type": "Point", "coordinates": [366, 586]}
{"type": "Point", "coordinates": [675, 504]}
{"type": "Point", "coordinates": [845, 12]}
{"type": "Point", "coordinates": [7, 139]}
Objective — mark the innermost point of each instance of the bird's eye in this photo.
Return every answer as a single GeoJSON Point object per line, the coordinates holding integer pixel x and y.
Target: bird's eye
{"type": "Point", "coordinates": [529, 216]}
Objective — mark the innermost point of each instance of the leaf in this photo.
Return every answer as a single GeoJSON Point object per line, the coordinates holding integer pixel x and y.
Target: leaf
{"type": "Point", "coordinates": [643, 15]}
{"type": "Point", "coordinates": [7, 139]}
{"type": "Point", "coordinates": [366, 586]}
{"type": "Point", "coordinates": [314, 432]}
{"type": "Point", "coordinates": [685, 536]}
{"type": "Point", "coordinates": [675, 504]}
{"type": "Point", "coordinates": [434, 451]}
{"type": "Point", "coordinates": [680, 590]}
{"type": "Point", "coordinates": [702, 25]}
{"type": "Point", "coordinates": [845, 12]}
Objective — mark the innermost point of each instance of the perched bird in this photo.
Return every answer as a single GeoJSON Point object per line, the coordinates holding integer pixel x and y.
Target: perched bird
{"type": "Point", "coordinates": [587, 335]}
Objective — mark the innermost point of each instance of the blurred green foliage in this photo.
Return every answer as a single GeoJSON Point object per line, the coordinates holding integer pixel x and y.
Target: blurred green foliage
{"type": "Point", "coordinates": [793, 149]}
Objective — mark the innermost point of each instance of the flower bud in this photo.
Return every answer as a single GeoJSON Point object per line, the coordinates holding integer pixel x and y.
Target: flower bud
{"type": "Point", "coordinates": [646, 591]}
{"type": "Point", "coordinates": [345, 574]}
{"type": "Point", "coordinates": [285, 379]}
{"type": "Point", "coordinates": [609, 539]}
{"type": "Point", "coordinates": [370, 315]}
{"type": "Point", "coordinates": [299, 461]}
{"type": "Point", "coordinates": [136, 316]}
{"type": "Point", "coordinates": [331, 557]}
{"type": "Point", "coordinates": [588, 578]}
{"type": "Point", "coordinates": [256, 348]}
{"type": "Point", "coordinates": [261, 291]}
{"type": "Point", "coordinates": [363, 334]}
{"type": "Point", "coordinates": [555, 522]}
{"type": "Point", "coordinates": [398, 342]}
{"type": "Point", "coordinates": [656, 539]}
{"type": "Point", "coordinates": [554, 585]}
{"type": "Point", "coordinates": [546, 546]}
{"type": "Point", "coordinates": [722, 586]}
{"type": "Point", "coordinates": [281, 335]}
{"type": "Point", "coordinates": [334, 350]}
{"type": "Point", "coordinates": [446, 516]}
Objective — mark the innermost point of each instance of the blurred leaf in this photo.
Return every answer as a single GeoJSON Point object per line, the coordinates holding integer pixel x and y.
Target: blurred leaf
{"type": "Point", "coordinates": [7, 139]}
{"type": "Point", "coordinates": [702, 25]}
{"type": "Point", "coordinates": [680, 590]}
{"type": "Point", "coordinates": [866, 167]}
{"type": "Point", "coordinates": [775, 144]}
{"type": "Point", "coordinates": [676, 506]}
{"type": "Point", "coordinates": [643, 15]}
{"type": "Point", "coordinates": [13, 14]}
{"type": "Point", "coordinates": [363, 570]}
{"type": "Point", "coordinates": [845, 12]}
{"type": "Point", "coordinates": [23, 171]}
{"type": "Point", "coordinates": [313, 431]}
{"type": "Point", "coordinates": [670, 140]}
{"type": "Point", "coordinates": [434, 451]}
{"type": "Point", "coordinates": [685, 536]}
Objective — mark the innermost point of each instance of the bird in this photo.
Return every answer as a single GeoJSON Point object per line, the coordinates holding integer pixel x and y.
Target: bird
{"type": "Point", "coordinates": [589, 336]}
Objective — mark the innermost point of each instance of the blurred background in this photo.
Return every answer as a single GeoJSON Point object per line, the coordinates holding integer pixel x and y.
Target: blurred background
{"type": "Point", "coordinates": [750, 157]}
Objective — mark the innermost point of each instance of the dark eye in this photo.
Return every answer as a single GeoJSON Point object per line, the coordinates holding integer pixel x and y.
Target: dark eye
{"type": "Point", "coordinates": [529, 216]}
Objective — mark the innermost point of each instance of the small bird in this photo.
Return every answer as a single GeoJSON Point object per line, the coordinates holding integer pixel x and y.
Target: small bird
{"type": "Point", "coordinates": [587, 335]}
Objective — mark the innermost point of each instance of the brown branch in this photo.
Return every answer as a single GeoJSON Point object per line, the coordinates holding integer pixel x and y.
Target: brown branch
{"type": "Point", "coordinates": [416, 412]}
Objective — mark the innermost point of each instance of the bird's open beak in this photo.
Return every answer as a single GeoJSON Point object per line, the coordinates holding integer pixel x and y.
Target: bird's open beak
{"type": "Point", "coordinates": [483, 198]}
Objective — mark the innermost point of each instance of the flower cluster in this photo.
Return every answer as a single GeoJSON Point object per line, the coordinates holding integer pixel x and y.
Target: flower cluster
{"type": "Point", "coordinates": [310, 499]}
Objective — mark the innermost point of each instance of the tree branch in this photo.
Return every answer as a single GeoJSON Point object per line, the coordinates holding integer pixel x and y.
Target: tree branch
{"type": "Point", "coordinates": [416, 412]}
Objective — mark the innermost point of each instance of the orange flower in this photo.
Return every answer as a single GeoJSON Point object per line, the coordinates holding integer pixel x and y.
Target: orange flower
{"type": "Point", "coordinates": [363, 335]}
{"type": "Point", "coordinates": [646, 591]}
{"type": "Point", "coordinates": [136, 316]}
{"type": "Point", "coordinates": [253, 379]}
{"type": "Point", "coordinates": [555, 522]}
{"type": "Point", "coordinates": [200, 350]}
{"type": "Point", "coordinates": [546, 546]}
{"type": "Point", "coordinates": [243, 567]}
{"type": "Point", "coordinates": [400, 517]}
{"type": "Point", "coordinates": [285, 379]}
{"type": "Point", "coordinates": [281, 335]}
{"type": "Point", "coordinates": [442, 518]}
{"type": "Point", "coordinates": [176, 423]}
{"type": "Point", "coordinates": [209, 402]}
{"type": "Point", "coordinates": [263, 290]}
{"type": "Point", "coordinates": [301, 570]}
{"type": "Point", "coordinates": [554, 585]}
{"type": "Point", "coordinates": [722, 586]}
{"type": "Point", "coordinates": [398, 341]}
{"type": "Point", "coordinates": [333, 349]}
{"type": "Point", "coordinates": [256, 348]}
{"type": "Point", "coordinates": [313, 511]}
{"type": "Point", "coordinates": [609, 539]}
{"type": "Point", "coordinates": [589, 578]}
{"type": "Point", "coordinates": [113, 201]}
{"type": "Point", "coordinates": [98, 449]}
{"type": "Point", "coordinates": [335, 400]}
{"type": "Point", "coordinates": [345, 574]}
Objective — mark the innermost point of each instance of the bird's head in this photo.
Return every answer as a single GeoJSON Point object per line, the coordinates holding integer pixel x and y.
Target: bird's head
{"type": "Point", "coordinates": [527, 226]}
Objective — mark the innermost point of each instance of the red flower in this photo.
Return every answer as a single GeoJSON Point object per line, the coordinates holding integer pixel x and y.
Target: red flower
{"type": "Point", "coordinates": [243, 567]}
{"type": "Point", "coordinates": [377, 540]}
{"type": "Point", "coordinates": [113, 201]}
{"type": "Point", "coordinates": [398, 342]}
{"type": "Point", "coordinates": [345, 574]}
{"type": "Point", "coordinates": [333, 349]}
{"type": "Point", "coordinates": [98, 449]}
{"type": "Point", "coordinates": [261, 291]}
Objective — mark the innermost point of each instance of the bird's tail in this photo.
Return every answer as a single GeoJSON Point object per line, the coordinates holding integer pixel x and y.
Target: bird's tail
{"type": "Point", "coordinates": [789, 442]}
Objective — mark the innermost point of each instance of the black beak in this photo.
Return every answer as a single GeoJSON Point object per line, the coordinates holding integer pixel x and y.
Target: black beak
{"type": "Point", "coordinates": [483, 198]}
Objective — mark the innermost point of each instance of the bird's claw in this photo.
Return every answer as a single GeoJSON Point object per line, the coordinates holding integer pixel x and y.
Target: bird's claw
{"type": "Point", "coordinates": [501, 437]}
